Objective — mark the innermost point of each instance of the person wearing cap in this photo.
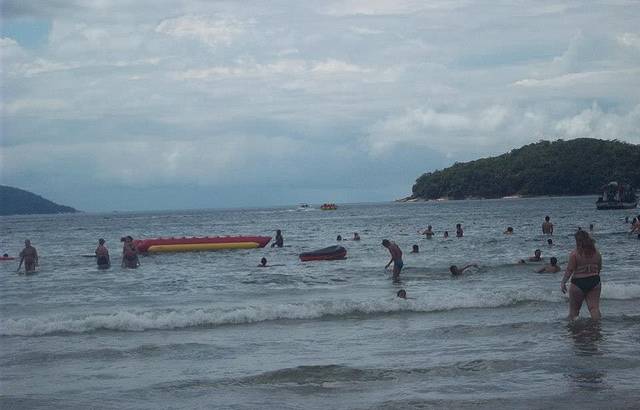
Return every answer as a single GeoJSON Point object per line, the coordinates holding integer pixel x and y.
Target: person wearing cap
{"type": "Point", "coordinates": [102, 255]}
{"type": "Point", "coordinates": [396, 257]}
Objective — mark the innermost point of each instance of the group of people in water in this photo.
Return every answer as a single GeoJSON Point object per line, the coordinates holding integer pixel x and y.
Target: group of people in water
{"type": "Point", "coordinates": [583, 267]}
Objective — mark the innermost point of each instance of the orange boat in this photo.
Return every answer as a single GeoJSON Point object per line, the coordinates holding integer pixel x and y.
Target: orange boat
{"type": "Point", "coordinates": [207, 243]}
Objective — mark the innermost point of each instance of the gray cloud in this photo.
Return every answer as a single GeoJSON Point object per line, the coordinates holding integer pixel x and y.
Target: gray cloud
{"type": "Point", "coordinates": [346, 100]}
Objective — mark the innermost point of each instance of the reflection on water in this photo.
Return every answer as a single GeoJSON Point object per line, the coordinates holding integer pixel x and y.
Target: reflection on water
{"type": "Point", "coordinates": [587, 335]}
{"type": "Point", "coordinates": [587, 372]}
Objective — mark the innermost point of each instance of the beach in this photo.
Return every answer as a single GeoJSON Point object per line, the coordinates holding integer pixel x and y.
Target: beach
{"type": "Point", "coordinates": [214, 330]}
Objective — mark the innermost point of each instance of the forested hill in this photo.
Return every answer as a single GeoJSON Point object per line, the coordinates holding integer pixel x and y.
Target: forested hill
{"type": "Point", "coordinates": [14, 201]}
{"type": "Point", "coordinates": [575, 167]}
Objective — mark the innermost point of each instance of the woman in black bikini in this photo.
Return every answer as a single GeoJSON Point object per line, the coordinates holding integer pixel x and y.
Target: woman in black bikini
{"type": "Point", "coordinates": [584, 266]}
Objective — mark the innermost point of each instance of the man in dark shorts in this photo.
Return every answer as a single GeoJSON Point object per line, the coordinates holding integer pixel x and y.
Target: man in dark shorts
{"type": "Point", "coordinates": [396, 257]}
{"type": "Point", "coordinates": [29, 256]}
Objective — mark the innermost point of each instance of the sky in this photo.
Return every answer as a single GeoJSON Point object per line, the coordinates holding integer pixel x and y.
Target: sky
{"type": "Point", "coordinates": [181, 104]}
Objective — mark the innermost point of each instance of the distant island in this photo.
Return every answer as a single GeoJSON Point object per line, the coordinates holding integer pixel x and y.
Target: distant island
{"type": "Point", "coordinates": [577, 167]}
{"type": "Point", "coordinates": [14, 201]}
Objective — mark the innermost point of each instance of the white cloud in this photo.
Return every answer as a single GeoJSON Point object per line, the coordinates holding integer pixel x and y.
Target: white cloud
{"type": "Point", "coordinates": [388, 7]}
{"type": "Point", "coordinates": [629, 40]}
{"type": "Point", "coordinates": [206, 29]}
{"type": "Point", "coordinates": [595, 123]}
{"type": "Point", "coordinates": [278, 68]}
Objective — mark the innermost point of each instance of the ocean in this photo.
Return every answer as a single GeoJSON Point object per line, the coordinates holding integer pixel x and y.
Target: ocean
{"type": "Point", "coordinates": [213, 330]}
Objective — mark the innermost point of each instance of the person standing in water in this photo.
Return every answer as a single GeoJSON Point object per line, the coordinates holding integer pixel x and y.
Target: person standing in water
{"type": "Point", "coordinates": [428, 232]}
{"type": "Point", "coordinates": [29, 256]}
{"type": "Point", "coordinates": [102, 255]}
{"type": "Point", "coordinates": [396, 257]}
{"type": "Point", "coordinates": [585, 264]}
{"type": "Point", "coordinates": [459, 231]}
{"type": "Point", "coordinates": [129, 253]}
{"type": "Point", "coordinates": [547, 226]}
{"type": "Point", "coordinates": [279, 241]}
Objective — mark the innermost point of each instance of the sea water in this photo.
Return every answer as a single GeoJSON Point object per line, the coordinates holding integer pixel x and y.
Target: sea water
{"type": "Point", "coordinates": [214, 330]}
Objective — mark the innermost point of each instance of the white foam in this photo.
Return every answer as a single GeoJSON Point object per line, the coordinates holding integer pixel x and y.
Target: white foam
{"type": "Point", "coordinates": [620, 291]}
{"type": "Point", "coordinates": [211, 316]}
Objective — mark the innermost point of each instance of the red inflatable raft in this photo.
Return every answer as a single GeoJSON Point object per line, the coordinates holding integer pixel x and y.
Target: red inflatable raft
{"type": "Point", "coordinates": [207, 243]}
{"type": "Point", "coordinates": [7, 258]}
{"type": "Point", "coordinates": [325, 254]}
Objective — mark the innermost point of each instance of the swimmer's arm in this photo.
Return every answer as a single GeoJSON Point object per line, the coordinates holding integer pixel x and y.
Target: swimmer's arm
{"type": "Point", "coordinates": [35, 252]}
{"type": "Point", "coordinates": [20, 264]}
{"type": "Point", "coordinates": [599, 262]}
{"type": "Point", "coordinates": [541, 270]}
{"type": "Point", "coordinates": [468, 266]}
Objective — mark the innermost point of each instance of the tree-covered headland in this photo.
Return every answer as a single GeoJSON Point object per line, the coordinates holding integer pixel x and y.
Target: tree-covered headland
{"type": "Point", "coordinates": [577, 167]}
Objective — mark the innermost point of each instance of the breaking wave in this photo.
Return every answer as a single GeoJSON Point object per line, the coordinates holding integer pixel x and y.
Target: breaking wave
{"type": "Point", "coordinates": [136, 321]}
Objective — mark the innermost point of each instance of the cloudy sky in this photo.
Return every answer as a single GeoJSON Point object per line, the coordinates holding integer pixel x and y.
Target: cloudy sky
{"type": "Point", "coordinates": [171, 104]}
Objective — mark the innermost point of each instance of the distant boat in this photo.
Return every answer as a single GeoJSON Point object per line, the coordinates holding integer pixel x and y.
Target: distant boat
{"type": "Point", "coordinates": [329, 207]}
{"type": "Point", "coordinates": [617, 196]}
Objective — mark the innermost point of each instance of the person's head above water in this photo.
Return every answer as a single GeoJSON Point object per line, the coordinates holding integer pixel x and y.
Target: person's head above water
{"type": "Point", "coordinates": [553, 261]}
{"type": "Point", "coordinates": [453, 269]}
{"type": "Point", "coordinates": [550, 241]}
{"type": "Point", "coordinates": [278, 232]}
{"type": "Point", "coordinates": [386, 243]}
{"type": "Point", "coordinates": [537, 253]}
{"type": "Point", "coordinates": [339, 238]}
{"type": "Point", "coordinates": [402, 294]}
{"type": "Point", "coordinates": [27, 242]}
{"type": "Point", "coordinates": [263, 261]}
{"type": "Point", "coordinates": [101, 241]}
{"type": "Point", "coordinates": [509, 229]}
{"type": "Point", "coordinates": [546, 218]}
{"type": "Point", "coordinates": [6, 255]}
{"type": "Point", "coordinates": [415, 249]}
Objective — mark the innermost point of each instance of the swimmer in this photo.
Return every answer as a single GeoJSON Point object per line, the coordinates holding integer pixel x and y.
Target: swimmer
{"type": "Point", "coordinates": [590, 227]}
{"type": "Point", "coordinates": [549, 241]}
{"type": "Point", "coordinates": [509, 231]}
{"type": "Point", "coordinates": [446, 234]}
{"type": "Point", "coordinates": [536, 256]}
{"type": "Point", "coordinates": [552, 267]}
{"type": "Point", "coordinates": [263, 263]}
{"type": "Point", "coordinates": [6, 255]}
{"type": "Point", "coordinates": [356, 236]}
{"type": "Point", "coordinates": [415, 249]}
{"type": "Point", "coordinates": [402, 294]}
{"type": "Point", "coordinates": [129, 253]}
{"type": "Point", "coordinates": [339, 238]}
{"type": "Point", "coordinates": [29, 256]}
{"type": "Point", "coordinates": [459, 231]}
{"type": "Point", "coordinates": [102, 255]}
{"type": "Point", "coordinates": [455, 271]}
{"type": "Point", "coordinates": [279, 241]}
{"type": "Point", "coordinates": [396, 257]}
{"type": "Point", "coordinates": [547, 226]}
{"type": "Point", "coordinates": [428, 232]}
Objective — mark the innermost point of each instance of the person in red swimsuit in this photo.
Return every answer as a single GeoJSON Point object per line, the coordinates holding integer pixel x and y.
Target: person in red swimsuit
{"type": "Point", "coordinates": [585, 263]}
